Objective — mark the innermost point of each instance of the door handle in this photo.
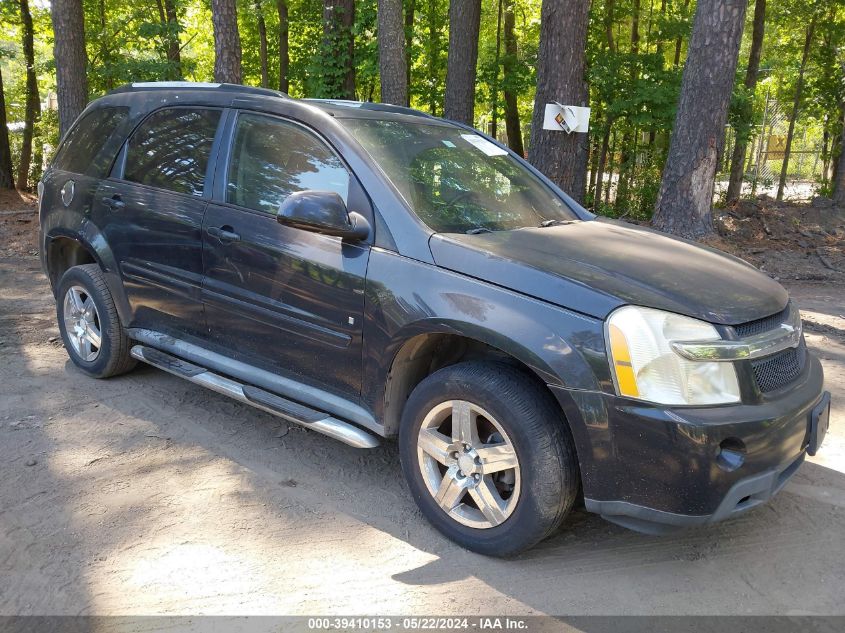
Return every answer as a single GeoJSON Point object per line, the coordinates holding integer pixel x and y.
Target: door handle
{"type": "Point", "coordinates": [223, 233]}
{"type": "Point", "coordinates": [114, 202]}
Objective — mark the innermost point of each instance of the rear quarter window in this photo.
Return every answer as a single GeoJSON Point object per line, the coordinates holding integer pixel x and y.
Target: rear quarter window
{"type": "Point", "coordinates": [171, 149]}
{"type": "Point", "coordinates": [82, 150]}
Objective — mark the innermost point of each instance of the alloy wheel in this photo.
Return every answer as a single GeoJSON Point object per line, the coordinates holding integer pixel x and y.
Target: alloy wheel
{"type": "Point", "coordinates": [82, 323]}
{"type": "Point", "coordinates": [469, 464]}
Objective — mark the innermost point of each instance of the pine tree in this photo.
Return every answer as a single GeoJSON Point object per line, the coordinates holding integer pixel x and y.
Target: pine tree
{"type": "Point", "coordinates": [684, 204]}
{"type": "Point", "coordinates": [71, 60]}
{"type": "Point", "coordinates": [560, 78]}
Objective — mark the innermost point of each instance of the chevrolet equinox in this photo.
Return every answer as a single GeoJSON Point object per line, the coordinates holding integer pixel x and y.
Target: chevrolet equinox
{"type": "Point", "coordinates": [370, 271]}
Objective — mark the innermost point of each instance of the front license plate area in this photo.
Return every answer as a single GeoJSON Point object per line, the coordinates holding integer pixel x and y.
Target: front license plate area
{"type": "Point", "coordinates": [819, 421]}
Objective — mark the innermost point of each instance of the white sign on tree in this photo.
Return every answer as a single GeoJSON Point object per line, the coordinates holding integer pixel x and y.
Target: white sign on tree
{"type": "Point", "coordinates": [566, 118]}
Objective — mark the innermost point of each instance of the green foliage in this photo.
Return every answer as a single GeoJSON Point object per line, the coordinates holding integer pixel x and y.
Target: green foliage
{"type": "Point", "coordinates": [633, 89]}
{"type": "Point", "coordinates": [13, 67]}
{"type": "Point", "coordinates": [306, 32]}
{"type": "Point", "coordinates": [428, 66]}
{"type": "Point", "coordinates": [366, 50]}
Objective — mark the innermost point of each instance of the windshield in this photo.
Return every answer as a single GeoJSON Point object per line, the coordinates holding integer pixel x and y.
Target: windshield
{"type": "Point", "coordinates": [456, 181]}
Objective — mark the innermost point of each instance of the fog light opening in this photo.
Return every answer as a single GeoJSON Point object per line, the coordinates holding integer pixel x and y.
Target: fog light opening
{"type": "Point", "coordinates": [731, 454]}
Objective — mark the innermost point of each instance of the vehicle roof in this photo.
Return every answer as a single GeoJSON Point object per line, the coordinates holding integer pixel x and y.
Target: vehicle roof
{"type": "Point", "coordinates": [338, 108]}
{"type": "Point", "coordinates": [179, 86]}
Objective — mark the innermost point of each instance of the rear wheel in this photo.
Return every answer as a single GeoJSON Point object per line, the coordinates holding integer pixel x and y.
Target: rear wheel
{"type": "Point", "coordinates": [89, 325]}
{"type": "Point", "coordinates": [488, 457]}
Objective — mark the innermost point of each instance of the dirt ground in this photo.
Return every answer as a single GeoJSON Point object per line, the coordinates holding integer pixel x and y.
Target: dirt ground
{"type": "Point", "coordinates": [148, 495]}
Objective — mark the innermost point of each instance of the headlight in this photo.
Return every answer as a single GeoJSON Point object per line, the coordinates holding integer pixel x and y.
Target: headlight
{"type": "Point", "coordinates": [645, 366]}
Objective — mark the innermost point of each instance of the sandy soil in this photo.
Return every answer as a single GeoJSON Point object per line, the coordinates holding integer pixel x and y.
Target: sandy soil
{"type": "Point", "coordinates": [148, 495]}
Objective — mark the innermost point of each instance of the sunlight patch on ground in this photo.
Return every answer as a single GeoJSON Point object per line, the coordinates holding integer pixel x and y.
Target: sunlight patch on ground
{"type": "Point", "coordinates": [187, 571]}
{"type": "Point", "coordinates": [831, 453]}
{"type": "Point", "coordinates": [170, 527]}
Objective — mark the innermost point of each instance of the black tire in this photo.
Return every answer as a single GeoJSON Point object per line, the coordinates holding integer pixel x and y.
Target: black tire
{"type": "Point", "coordinates": [113, 358]}
{"type": "Point", "coordinates": [541, 440]}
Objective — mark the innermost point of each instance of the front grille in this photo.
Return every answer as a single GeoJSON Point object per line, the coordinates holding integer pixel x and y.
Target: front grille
{"type": "Point", "coordinates": [762, 325]}
{"type": "Point", "coordinates": [777, 371]}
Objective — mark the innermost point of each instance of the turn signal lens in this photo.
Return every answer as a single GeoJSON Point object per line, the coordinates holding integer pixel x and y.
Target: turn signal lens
{"type": "Point", "coordinates": [622, 364]}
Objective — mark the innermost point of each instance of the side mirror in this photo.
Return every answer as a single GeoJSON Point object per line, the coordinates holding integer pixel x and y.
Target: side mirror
{"type": "Point", "coordinates": [322, 212]}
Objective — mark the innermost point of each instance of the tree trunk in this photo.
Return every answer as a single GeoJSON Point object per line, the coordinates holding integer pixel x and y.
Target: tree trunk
{"type": "Point", "coordinates": [494, 122]}
{"type": "Point", "coordinates": [610, 167]}
{"type": "Point", "coordinates": [594, 166]}
{"type": "Point", "coordinates": [635, 35]}
{"type": "Point", "coordinates": [464, 23]}
{"type": "Point", "coordinates": [227, 41]}
{"type": "Point", "coordinates": [7, 179]}
{"type": "Point", "coordinates": [433, 53]}
{"type": "Point", "coordinates": [743, 129]}
{"type": "Point", "coordinates": [33, 100]}
{"type": "Point", "coordinates": [838, 182]}
{"type": "Point", "coordinates": [71, 60]}
{"type": "Point", "coordinates": [262, 45]}
{"type": "Point", "coordinates": [393, 68]}
{"type": "Point", "coordinates": [629, 157]}
{"type": "Point", "coordinates": [284, 46]}
{"type": "Point", "coordinates": [174, 54]}
{"type": "Point", "coordinates": [609, 7]}
{"type": "Point", "coordinates": [605, 142]}
{"type": "Point", "coordinates": [659, 35]}
{"type": "Point", "coordinates": [627, 164]}
{"type": "Point", "coordinates": [339, 46]}
{"type": "Point", "coordinates": [512, 123]}
{"type": "Point", "coordinates": [684, 203]}
{"type": "Point", "coordinates": [652, 132]}
{"type": "Point", "coordinates": [825, 153]}
{"type": "Point", "coordinates": [796, 104]}
{"type": "Point", "coordinates": [560, 77]}
{"type": "Point", "coordinates": [409, 41]}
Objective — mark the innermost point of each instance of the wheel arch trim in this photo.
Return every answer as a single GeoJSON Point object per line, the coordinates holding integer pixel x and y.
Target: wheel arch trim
{"type": "Point", "coordinates": [414, 342]}
{"type": "Point", "coordinates": [91, 240]}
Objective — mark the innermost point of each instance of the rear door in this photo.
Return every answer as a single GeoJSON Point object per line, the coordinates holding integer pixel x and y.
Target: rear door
{"type": "Point", "coordinates": [283, 298]}
{"type": "Point", "coordinates": [85, 156]}
{"type": "Point", "coordinates": [152, 210]}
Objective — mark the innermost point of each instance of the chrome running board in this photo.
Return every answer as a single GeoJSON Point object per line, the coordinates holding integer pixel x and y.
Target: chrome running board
{"type": "Point", "coordinates": [250, 375]}
{"type": "Point", "coordinates": [258, 398]}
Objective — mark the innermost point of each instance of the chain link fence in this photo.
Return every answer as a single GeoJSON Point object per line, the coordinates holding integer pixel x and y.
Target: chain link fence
{"type": "Point", "coordinates": [766, 152]}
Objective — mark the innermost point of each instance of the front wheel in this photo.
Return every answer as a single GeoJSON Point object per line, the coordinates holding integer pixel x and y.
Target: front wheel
{"type": "Point", "coordinates": [488, 457]}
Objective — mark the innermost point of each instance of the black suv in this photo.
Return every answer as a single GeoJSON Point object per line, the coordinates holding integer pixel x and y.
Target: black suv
{"type": "Point", "coordinates": [372, 271]}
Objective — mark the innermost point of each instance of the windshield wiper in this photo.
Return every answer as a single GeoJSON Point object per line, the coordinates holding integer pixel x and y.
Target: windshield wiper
{"type": "Point", "coordinates": [478, 230]}
{"type": "Point", "coordinates": [546, 223]}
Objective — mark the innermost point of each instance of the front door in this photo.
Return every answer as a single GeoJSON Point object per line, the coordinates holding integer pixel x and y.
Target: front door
{"type": "Point", "coordinates": [151, 212]}
{"type": "Point", "coordinates": [285, 299]}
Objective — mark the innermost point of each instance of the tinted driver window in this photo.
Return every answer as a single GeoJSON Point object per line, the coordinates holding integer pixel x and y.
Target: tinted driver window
{"type": "Point", "coordinates": [272, 159]}
{"type": "Point", "coordinates": [170, 150]}
{"type": "Point", "coordinates": [79, 152]}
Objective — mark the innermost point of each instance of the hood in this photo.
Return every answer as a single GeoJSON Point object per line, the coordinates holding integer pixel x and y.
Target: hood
{"type": "Point", "coordinates": [595, 266]}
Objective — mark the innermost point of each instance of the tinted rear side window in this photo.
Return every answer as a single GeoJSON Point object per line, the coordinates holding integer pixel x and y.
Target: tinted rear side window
{"type": "Point", "coordinates": [170, 150]}
{"type": "Point", "coordinates": [80, 152]}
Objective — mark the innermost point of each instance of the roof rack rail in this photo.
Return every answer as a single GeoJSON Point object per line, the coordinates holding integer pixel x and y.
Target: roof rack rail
{"type": "Point", "coordinates": [198, 85]}
{"type": "Point", "coordinates": [370, 105]}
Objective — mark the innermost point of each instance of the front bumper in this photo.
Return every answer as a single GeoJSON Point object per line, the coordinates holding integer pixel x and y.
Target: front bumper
{"type": "Point", "coordinates": [655, 469]}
